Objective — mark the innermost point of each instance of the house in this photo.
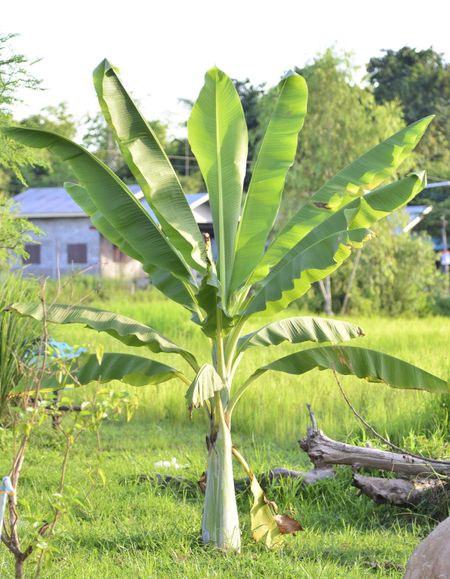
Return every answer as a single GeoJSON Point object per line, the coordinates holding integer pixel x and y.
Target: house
{"type": "Point", "coordinates": [70, 241]}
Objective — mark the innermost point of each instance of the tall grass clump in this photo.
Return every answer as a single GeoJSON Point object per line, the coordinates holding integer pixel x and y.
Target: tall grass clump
{"type": "Point", "coordinates": [17, 335]}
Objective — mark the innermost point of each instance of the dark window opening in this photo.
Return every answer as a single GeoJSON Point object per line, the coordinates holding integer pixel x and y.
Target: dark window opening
{"type": "Point", "coordinates": [118, 256]}
{"type": "Point", "coordinates": [34, 253]}
{"type": "Point", "coordinates": [76, 253]}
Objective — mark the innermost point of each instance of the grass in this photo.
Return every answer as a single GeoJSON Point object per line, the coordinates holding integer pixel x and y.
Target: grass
{"type": "Point", "coordinates": [125, 529]}
{"type": "Point", "coordinates": [120, 528]}
{"type": "Point", "coordinates": [274, 407]}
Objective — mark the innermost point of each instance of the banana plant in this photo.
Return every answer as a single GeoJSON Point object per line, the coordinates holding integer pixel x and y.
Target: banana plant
{"type": "Point", "coordinates": [250, 278]}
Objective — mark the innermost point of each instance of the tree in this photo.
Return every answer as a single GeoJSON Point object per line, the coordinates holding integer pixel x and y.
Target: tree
{"type": "Point", "coordinates": [15, 232]}
{"type": "Point", "coordinates": [14, 77]}
{"type": "Point", "coordinates": [395, 274]}
{"type": "Point", "coordinates": [223, 295]}
{"type": "Point", "coordinates": [420, 81]}
{"type": "Point", "coordinates": [47, 171]}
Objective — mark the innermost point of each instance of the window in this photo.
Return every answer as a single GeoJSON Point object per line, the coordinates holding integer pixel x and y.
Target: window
{"type": "Point", "coordinates": [76, 253]}
{"type": "Point", "coordinates": [118, 256]}
{"type": "Point", "coordinates": [34, 252]}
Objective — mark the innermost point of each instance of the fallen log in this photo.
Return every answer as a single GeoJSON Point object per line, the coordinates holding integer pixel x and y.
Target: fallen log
{"type": "Point", "coordinates": [402, 492]}
{"type": "Point", "coordinates": [324, 452]}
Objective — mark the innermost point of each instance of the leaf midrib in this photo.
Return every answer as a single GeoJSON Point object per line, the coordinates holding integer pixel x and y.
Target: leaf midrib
{"type": "Point", "coordinates": [222, 264]}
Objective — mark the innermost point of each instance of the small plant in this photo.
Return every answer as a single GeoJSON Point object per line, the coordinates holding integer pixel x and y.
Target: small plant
{"type": "Point", "coordinates": [28, 420]}
{"type": "Point", "coordinates": [245, 279]}
{"type": "Point", "coordinates": [16, 339]}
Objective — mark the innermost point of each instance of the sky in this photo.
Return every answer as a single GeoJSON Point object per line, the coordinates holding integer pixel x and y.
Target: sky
{"type": "Point", "coordinates": [163, 49]}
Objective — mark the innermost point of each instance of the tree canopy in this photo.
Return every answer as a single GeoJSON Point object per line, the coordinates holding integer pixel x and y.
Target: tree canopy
{"type": "Point", "coordinates": [420, 81]}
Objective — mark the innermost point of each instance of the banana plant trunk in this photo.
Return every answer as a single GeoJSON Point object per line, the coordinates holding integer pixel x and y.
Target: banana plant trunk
{"type": "Point", "coordinates": [220, 523]}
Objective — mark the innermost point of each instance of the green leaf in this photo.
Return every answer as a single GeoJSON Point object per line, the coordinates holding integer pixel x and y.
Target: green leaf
{"type": "Point", "coordinates": [275, 157]}
{"type": "Point", "coordinates": [203, 387]}
{"type": "Point", "coordinates": [300, 268]}
{"type": "Point", "coordinates": [180, 291]}
{"type": "Point", "coordinates": [82, 198]}
{"type": "Point", "coordinates": [361, 362]}
{"type": "Point", "coordinates": [218, 137]}
{"type": "Point", "coordinates": [150, 165]}
{"type": "Point", "coordinates": [112, 198]}
{"type": "Point", "coordinates": [323, 250]}
{"type": "Point", "coordinates": [300, 329]}
{"type": "Point", "coordinates": [366, 173]}
{"type": "Point", "coordinates": [126, 368]}
{"type": "Point", "coordinates": [126, 330]}
{"type": "Point", "coordinates": [208, 300]}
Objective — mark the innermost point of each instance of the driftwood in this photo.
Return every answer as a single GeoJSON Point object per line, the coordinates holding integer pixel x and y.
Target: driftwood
{"type": "Point", "coordinates": [324, 452]}
{"type": "Point", "coordinates": [402, 492]}
{"type": "Point", "coordinates": [425, 483]}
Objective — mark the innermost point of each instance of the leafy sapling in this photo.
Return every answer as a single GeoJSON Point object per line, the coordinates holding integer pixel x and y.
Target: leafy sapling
{"type": "Point", "coordinates": [249, 278]}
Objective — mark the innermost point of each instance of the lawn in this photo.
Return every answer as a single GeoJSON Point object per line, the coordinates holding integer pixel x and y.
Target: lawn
{"type": "Point", "coordinates": [123, 528]}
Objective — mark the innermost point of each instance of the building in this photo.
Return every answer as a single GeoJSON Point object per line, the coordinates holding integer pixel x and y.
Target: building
{"type": "Point", "coordinates": [70, 242]}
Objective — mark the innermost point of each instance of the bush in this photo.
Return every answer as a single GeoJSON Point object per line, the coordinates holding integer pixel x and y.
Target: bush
{"type": "Point", "coordinates": [395, 276]}
{"type": "Point", "coordinates": [17, 335]}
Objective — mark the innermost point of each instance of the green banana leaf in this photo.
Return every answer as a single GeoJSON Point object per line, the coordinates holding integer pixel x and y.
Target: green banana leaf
{"type": "Point", "coordinates": [126, 368]}
{"type": "Point", "coordinates": [293, 276]}
{"type": "Point", "coordinates": [218, 136]}
{"type": "Point", "coordinates": [322, 251]}
{"type": "Point", "coordinates": [365, 174]}
{"type": "Point", "coordinates": [122, 328]}
{"type": "Point", "coordinates": [81, 197]}
{"type": "Point", "coordinates": [111, 196]}
{"type": "Point", "coordinates": [363, 363]}
{"type": "Point", "coordinates": [150, 165]}
{"type": "Point", "coordinates": [203, 387]}
{"type": "Point", "coordinates": [275, 157]}
{"type": "Point", "coordinates": [180, 291]}
{"type": "Point", "coordinates": [300, 329]}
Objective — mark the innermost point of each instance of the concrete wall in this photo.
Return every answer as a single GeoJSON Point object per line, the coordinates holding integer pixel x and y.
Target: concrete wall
{"type": "Point", "coordinates": [58, 234]}
{"type": "Point", "coordinates": [126, 268]}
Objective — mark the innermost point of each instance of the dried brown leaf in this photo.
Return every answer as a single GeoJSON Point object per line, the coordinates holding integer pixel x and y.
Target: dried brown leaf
{"type": "Point", "coordinates": [287, 525]}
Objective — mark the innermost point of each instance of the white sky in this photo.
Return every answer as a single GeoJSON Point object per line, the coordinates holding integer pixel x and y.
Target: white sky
{"type": "Point", "coordinates": [164, 48]}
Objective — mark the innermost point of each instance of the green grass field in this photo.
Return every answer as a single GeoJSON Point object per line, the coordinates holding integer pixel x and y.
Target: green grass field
{"type": "Point", "coordinates": [124, 529]}
{"type": "Point", "coordinates": [274, 407]}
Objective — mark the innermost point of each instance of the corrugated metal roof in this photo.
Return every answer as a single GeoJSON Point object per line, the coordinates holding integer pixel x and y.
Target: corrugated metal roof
{"type": "Point", "coordinates": [415, 210]}
{"type": "Point", "coordinates": [53, 202]}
